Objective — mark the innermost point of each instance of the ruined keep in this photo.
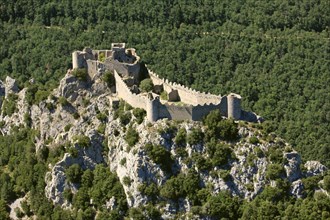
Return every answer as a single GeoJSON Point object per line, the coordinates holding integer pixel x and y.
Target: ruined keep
{"type": "Point", "coordinates": [182, 103]}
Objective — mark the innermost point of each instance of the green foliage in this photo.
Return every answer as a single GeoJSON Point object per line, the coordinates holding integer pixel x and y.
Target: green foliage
{"type": "Point", "coordinates": [81, 140]}
{"type": "Point", "coordinates": [310, 184]}
{"type": "Point", "coordinates": [125, 118]}
{"type": "Point", "coordinates": [132, 136]}
{"type": "Point", "coordinates": [254, 140]}
{"type": "Point", "coordinates": [164, 95]}
{"type": "Point", "coordinates": [9, 104]}
{"type": "Point", "coordinates": [274, 171]}
{"type": "Point", "coordinates": [275, 155]}
{"type": "Point", "coordinates": [4, 210]}
{"type": "Point", "coordinates": [223, 205]}
{"type": "Point", "coordinates": [326, 183]}
{"type": "Point", "coordinates": [101, 128]}
{"type": "Point", "coordinates": [146, 85]}
{"type": "Point", "coordinates": [219, 153]}
{"type": "Point", "coordinates": [195, 136]}
{"type": "Point", "coordinates": [80, 74]}
{"type": "Point", "coordinates": [123, 161]}
{"type": "Point", "coordinates": [67, 127]}
{"type": "Point", "coordinates": [101, 57]}
{"type": "Point", "coordinates": [139, 114]}
{"type": "Point", "coordinates": [63, 101]}
{"type": "Point", "coordinates": [216, 127]}
{"type": "Point", "coordinates": [160, 156]}
{"type": "Point", "coordinates": [102, 117]}
{"type": "Point", "coordinates": [73, 173]}
{"type": "Point", "coordinates": [273, 53]}
{"type": "Point", "coordinates": [127, 181]}
{"type": "Point", "coordinates": [151, 190]}
{"type": "Point", "coordinates": [109, 78]}
{"type": "Point", "coordinates": [181, 137]}
{"type": "Point", "coordinates": [67, 194]}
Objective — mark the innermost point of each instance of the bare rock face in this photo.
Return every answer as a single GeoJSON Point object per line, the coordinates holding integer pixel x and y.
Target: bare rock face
{"type": "Point", "coordinates": [11, 86]}
{"type": "Point", "coordinates": [314, 168]}
{"type": "Point", "coordinates": [87, 158]}
{"type": "Point", "coordinates": [297, 188]}
{"type": "Point", "coordinates": [2, 89]}
{"type": "Point", "coordinates": [292, 167]}
{"type": "Point", "coordinates": [69, 87]}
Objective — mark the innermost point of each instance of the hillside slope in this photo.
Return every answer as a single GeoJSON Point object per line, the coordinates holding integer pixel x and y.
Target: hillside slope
{"type": "Point", "coordinates": [80, 155]}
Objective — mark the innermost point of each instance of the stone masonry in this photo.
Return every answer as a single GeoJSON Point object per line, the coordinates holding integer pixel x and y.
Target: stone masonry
{"type": "Point", "coordinates": [183, 103]}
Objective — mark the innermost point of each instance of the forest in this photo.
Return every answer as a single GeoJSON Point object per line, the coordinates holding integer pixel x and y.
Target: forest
{"type": "Point", "coordinates": [276, 54]}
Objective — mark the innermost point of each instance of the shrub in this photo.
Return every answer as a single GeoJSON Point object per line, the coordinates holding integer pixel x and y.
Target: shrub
{"type": "Point", "coordinates": [9, 104]}
{"type": "Point", "coordinates": [127, 181]}
{"type": "Point", "coordinates": [146, 85]}
{"type": "Point", "coordinates": [326, 183]}
{"type": "Point", "coordinates": [102, 117]}
{"type": "Point", "coordinates": [63, 101]}
{"type": "Point", "coordinates": [81, 74]}
{"type": "Point", "coordinates": [195, 136]}
{"type": "Point", "coordinates": [139, 114]}
{"type": "Point", "coordinates": [160, 156]}
{"type": "Point", "coordinates": [101, 128]}
{"type": "Point", "coordinates": [125, 118]}
{"type": "Point", "coordinates": [109, 78]}
{"type": "Point", "coordinates": [164, 95]}
{"type": "Point", "coordinates": [76, 115]}
{"type": "Point", "coordinates": [82, 140]}
{"type": "Point", "coordinates": [228, 129]}
{"type": "Point", "coordinates": [219, 128]}
{"type": "Point", "coordinates": [73, 173]}
{"type": "Point", "coordinates": [73, 152]}
{"type": "Point", "coordinates": [225, 175]}
{"type": "Point", "coordinates": [67, 127]}
{"type": "Point", "coordinates": [67, 194]}
{"type": "Point", "coordinates": [132, 136]}
{"type": "Point", "coordinates": [123, 161]}
{"type": "Point", "coordinates": [274, 171]}
{"type": "Point", "coordinates": [219, 153]}
{"type": "Point", "coordinates": [181, 137]}
{"type": "Point", "coordinates": [254, 140]}
{"type": "Point", "coordinates": [150, 190]}
{"type": "Point", "coordinates": [101, 57]}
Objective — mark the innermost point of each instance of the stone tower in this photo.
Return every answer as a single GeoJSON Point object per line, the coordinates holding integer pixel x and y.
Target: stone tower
{"type": "Point", "coordinates": [234, 106]}
{"type": "Point", "coordinates": [152, 108]}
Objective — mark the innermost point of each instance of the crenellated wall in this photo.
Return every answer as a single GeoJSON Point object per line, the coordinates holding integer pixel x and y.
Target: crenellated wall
{"type": "Point", "coordinates": [196, 104]}
{"type": "Point", "coordinates": [137, 101]}
{"type": "Point", "coordinates": [187, 95]}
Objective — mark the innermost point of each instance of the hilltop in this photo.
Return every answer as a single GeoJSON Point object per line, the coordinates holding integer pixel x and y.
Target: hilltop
{"type": "Point", "coordinates": [75, 155]}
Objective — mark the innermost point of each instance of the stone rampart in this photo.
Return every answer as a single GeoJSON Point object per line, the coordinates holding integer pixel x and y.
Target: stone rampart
{"type": "Point", "coordinates": [175, 112]}
{"type": "Point", "coordinates": [196, 104]}
{"type": "Point", "coordinates": [137, 101]}
{"type": "Point", "coordinates": [187, 95]}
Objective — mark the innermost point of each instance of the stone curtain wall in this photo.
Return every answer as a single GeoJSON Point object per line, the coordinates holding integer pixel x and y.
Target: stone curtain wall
{"type": "Point", "coordinates": [175, 112]}
{"type": "Point", "coordinates": [124, 92]}
{"type": "Point", "coordinates": [187, 95]}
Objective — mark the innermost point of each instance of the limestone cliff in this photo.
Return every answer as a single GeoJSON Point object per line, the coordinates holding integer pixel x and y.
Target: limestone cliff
{"type": "Point", "coordinates": [88, 109]}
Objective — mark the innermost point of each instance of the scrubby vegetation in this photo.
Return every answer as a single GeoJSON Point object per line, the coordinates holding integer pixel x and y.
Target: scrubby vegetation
{"type": "Point", "coordinates": [273, 53]}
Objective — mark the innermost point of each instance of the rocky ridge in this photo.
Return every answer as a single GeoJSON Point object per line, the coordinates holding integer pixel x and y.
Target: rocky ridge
{"type": "Point", "coordinates": [245, 174]}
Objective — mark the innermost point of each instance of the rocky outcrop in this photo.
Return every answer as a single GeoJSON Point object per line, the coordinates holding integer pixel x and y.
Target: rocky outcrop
{"type": "Point", "coordinates": [11, 86]}
{"type": "Point", "coordinates": [244, 175]}
{"type": "Point", "coordinates": [314, 168]}
{"type": "Point", "coordinates": [87, 158]}
{"type": "Point", "coordinates": [292, 167]}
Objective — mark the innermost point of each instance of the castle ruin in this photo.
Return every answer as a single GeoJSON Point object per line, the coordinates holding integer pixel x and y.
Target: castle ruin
{"type": "Point", "coordinates": [181, 103]}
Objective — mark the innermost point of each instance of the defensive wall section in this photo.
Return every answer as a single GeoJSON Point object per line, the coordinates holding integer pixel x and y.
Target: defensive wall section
{"type": "Point", "coordinates": [137, 101]}
{"type": "Point", "coordinates": [125, 61]}
{"type": "Point", "coordinates": [187, 95]}
{"type": "Point", "coordinates": [125, 65]}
